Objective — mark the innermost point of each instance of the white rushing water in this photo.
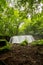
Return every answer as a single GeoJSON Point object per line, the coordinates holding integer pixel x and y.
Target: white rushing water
{"type": "Point", "coordinates": [19, 39]}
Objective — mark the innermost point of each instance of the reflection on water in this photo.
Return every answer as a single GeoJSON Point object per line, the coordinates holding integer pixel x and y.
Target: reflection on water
{"type": "Point", "coordinates": [19, 39]}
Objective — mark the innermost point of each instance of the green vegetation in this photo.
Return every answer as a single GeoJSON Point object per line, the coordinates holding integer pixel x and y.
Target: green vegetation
{"type": "Point", "coordinates": [37, 42]}
{"type": "Point", "coordinates": [29, 12]}
{"type": "Point", "coordinates": [25, 42]}
{"type": "Point", "coordinates": [34, 43]}
{"type": "Point", "coordinates": [4, 45]}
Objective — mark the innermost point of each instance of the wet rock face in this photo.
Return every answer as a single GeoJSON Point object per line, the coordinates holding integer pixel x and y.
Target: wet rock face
{"type": "Point", "coordinates": [2, 43]}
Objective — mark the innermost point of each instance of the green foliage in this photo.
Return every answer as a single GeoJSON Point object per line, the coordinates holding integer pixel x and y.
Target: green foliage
{"type": "Point", "coordinates": [25, 42]}
{"type": "Point", "coordinates": [34, 26]}
{"type": "Point", "coordinates": [3, 5]}
{"type": "Point", "coordinates": [12, 17]}
{"type": "Point", "coordinates": [8, 26]}
{"type": "Point", "coordinates": [37, 42]}
{"type": "Point", "coordinates": [37, 24]}
{"type": "Point", "coordinates": [25, 28]}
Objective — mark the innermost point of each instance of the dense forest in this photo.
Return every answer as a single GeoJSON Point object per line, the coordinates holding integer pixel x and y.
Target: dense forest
{"type": "Point", "coordinates": [21, 17]}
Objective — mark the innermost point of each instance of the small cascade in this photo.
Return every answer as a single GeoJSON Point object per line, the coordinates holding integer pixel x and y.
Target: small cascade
{"type": "Point", "coordinates": [19, 39]}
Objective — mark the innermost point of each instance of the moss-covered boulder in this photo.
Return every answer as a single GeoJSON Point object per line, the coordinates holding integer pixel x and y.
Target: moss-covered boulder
{"type": "Point", "coordinates": [25, 42]}
{"type": "Point", "coordinates": [38, 42]}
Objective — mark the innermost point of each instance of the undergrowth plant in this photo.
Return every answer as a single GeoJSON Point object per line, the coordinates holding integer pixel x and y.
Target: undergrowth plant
{"type": "Point", "coordinates": [25, 42]}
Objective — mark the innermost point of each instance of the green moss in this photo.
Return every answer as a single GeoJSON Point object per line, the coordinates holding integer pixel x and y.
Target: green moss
{"type": "Point", "coordinates": [38, 42]}
{"type": "Point", "coordinates": [4, 45]}
{"type": "Point", "coordinates": [25, 42]}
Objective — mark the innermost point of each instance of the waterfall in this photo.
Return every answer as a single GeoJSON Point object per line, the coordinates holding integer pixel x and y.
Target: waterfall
{"type": "Point", "coordinates": [19, 39]}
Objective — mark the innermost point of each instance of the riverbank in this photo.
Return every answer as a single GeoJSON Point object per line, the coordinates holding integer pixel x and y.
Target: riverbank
{"type": "Point", "coordinates": [23, 55]}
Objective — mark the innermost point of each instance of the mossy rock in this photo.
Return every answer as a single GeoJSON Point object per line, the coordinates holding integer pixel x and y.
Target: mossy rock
{"type": "Point", "coordinates": [4, 45]}
{"type": "Point", "coordinates": [24, 43]}
{"type": "Point", "coordinates": [7, 37]}
{"type": "Point", "coordinates": [38, 42]}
